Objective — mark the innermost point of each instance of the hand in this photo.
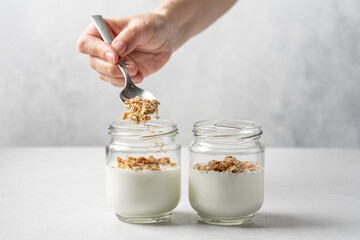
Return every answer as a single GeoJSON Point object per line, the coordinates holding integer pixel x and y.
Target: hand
{"type": "Point", "coordinates": [142, 41]}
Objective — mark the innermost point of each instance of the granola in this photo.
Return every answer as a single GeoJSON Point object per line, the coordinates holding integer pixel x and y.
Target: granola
{"type": "Point", "coordinates": [229, 164]}
{"type": "Point", "coordinates": [138, 110]}
{"type": "Point", "coordinates": [143, 163]}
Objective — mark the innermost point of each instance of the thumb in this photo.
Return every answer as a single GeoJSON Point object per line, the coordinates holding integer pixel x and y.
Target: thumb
{"type": "Point", "coordinates": [128, 39]}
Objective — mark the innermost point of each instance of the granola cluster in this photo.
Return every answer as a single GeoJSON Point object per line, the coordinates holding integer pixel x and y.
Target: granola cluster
{"type": "Point", "coordinates": [143, 163]}
{"type": "Point", "coordinates": [229, 164]}
{"type": "Point", "coordinates": [138, 110]}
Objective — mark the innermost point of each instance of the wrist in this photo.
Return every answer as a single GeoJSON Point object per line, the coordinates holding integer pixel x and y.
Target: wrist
{"type": "Point", "coordinates": [172, 25]}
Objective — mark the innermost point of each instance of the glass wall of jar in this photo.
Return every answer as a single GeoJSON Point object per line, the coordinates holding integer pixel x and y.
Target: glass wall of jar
{"type": "Point", "coordinates": [143, 170]}
{"type": "Point", "coordinates": [226, 174]}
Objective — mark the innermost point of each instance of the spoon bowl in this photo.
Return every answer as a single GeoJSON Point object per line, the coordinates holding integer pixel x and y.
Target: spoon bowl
{"type": "Point", "coordinates": [130, 90]}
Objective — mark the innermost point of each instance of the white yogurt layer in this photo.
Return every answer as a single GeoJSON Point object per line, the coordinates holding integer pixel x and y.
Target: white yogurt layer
{"type": "Point", "coordinates": [142, 193]}
{"type": "Point", "coordinates": [226, 194]}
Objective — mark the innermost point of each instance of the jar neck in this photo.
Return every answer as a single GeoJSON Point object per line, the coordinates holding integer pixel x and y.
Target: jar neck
{"type": "Point", "coordinates": [227, 132]}
{"type": "Point", "coordinates": [224, 143]}
{"type": "Point", "coordinates": [152, 132]}
{"type": "Point", "coordinates": [140, 141]}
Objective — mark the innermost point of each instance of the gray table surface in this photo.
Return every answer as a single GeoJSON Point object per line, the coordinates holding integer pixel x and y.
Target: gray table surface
{"type": "Point", "coordinates": [58, 193]}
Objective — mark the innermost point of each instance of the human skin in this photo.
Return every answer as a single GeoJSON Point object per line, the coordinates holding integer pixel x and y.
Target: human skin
{"type": "Point", "coordinates": [146, 41]}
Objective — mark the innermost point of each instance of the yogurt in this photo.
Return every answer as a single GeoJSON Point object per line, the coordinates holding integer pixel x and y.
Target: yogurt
{"type": "Point", "coordinates": [142, 193]}
{"type": "Point", "coordinates": [226, 195]}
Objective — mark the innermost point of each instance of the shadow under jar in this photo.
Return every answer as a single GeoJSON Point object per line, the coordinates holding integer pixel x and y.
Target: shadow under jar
{"type": "Point", "coordinates": [226, 174]}
{"type": "Point", "coordinates": [143, 170]}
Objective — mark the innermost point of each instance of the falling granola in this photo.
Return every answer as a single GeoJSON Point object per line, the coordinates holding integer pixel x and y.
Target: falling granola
{"type": "Point", "coordinates": [138, 110]}
{"type": "Point", "coordinates": [229, 164]}
{"type": "Point", "coordinates": [143, 163]}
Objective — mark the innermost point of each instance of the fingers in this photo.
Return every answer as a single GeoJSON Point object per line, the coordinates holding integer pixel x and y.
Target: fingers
{"type": "Point", "coordinates": [111, 72]}
{"type": "Point", "coordinates": [91, 43]}
{"type": "Point", "coordinates": [109, 69]}
{"type": "Point", "coordinates": [147, 63]}
{"type": "Point", "coordinates": [119, 82]}
{"type": "Point", "coordinates": [129, 38]}
{"type": "Point", "coordinates": [103, 57]}
{"type": "Point", "coordinates": [104, 67]}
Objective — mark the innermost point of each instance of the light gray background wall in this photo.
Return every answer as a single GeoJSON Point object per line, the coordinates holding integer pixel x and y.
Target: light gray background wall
{"type": "Point", "coordinates": [293, 65]}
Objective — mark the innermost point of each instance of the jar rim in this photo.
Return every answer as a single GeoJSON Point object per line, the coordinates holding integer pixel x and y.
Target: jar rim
{"type": "Point", "coordinates": [149, 129]}
{"type": "Point", "coordinates": [227, 128]}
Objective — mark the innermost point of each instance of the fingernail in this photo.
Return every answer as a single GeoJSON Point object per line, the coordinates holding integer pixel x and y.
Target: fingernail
{"type": "Point", "coordinates": [110, 57]}
{"type": "Point", "coordinates": [131, 69]}
{"type": "Point", "coordinates": [120, 47]}
{"type": "Point", "coordinates": [136, 80]}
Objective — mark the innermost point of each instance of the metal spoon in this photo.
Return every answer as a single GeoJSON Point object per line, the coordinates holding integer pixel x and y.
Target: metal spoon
{"type": "Point", "coordinates": [130, 90]}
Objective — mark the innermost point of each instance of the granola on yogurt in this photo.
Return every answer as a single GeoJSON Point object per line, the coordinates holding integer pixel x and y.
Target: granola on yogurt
{"type": "Point", "coordinates": [143, 163]}
{"type": "Point", "coordinates": [229, 164]}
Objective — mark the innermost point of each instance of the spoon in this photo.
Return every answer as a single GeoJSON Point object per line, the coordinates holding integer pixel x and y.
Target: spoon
{"type": "Point", "coordinates": [130, 90]}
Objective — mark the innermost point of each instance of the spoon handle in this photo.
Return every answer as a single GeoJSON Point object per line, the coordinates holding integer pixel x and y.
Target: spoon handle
{"type": "Point", "coordinates": [106, 36]}
{"type": "Point", "coordinates": [102, 28]}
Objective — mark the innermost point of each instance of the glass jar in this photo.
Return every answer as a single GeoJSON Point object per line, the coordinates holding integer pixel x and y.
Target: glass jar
{"type": "Point", "coordinates": [143, 170]}
{"type": "Point", "coordinates": [229, 190]}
